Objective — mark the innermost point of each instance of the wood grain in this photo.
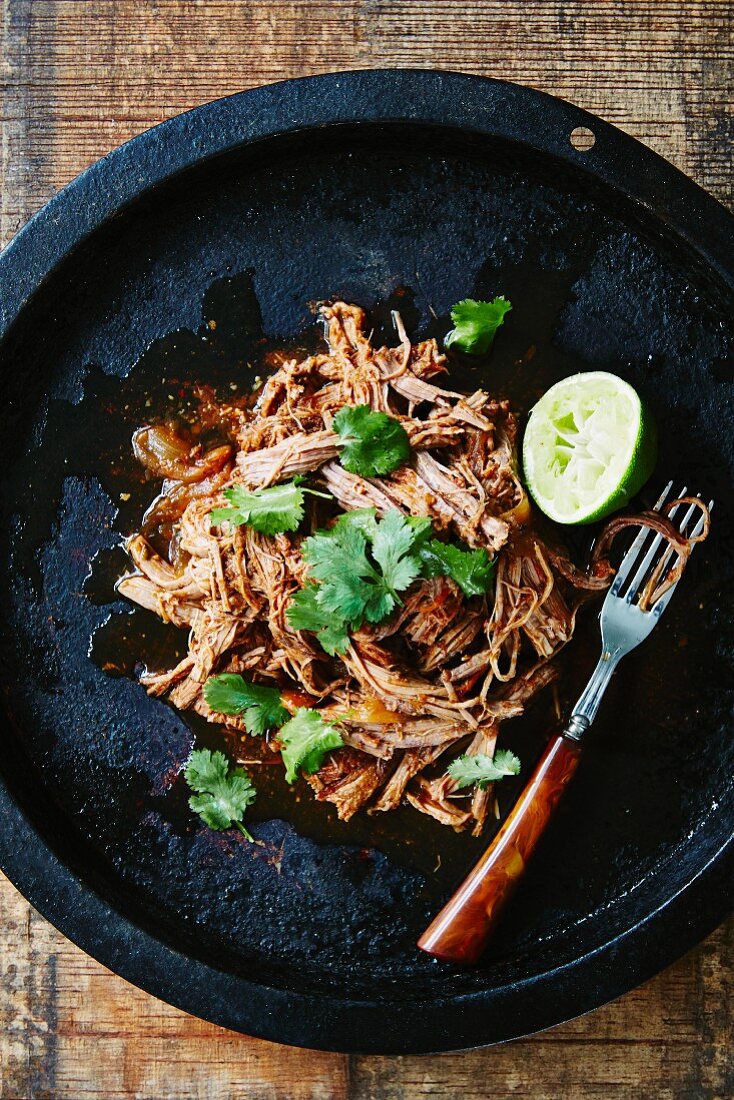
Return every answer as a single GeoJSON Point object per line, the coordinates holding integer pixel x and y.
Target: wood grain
{"type": "Point", "coordinates": [78, 78]}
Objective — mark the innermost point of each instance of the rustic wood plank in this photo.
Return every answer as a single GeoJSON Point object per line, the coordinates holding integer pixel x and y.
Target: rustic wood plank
{"type": "Point", "coordinates": [27, 998]}
{"type": "Point", "coordinates": [77, 80]}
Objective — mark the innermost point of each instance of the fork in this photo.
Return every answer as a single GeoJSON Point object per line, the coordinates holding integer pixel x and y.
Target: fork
{"type": "Point", "coordinates": [461, 930]}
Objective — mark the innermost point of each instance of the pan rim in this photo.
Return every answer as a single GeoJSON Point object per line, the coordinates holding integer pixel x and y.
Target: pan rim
{"type": "Point", "coordinates": [472, 104]}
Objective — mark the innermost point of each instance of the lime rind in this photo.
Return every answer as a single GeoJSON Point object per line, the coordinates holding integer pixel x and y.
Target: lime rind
{"type": "Point", "coordinates": [589, 447]}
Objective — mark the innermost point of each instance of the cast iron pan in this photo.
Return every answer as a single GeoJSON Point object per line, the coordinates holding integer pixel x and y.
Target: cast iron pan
{"type": "Point", "coordinates": [171, 261]}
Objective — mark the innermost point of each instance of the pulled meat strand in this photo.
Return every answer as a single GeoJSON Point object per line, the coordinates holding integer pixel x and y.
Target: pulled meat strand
{"type": "Point", "coordinates": [680, 545]}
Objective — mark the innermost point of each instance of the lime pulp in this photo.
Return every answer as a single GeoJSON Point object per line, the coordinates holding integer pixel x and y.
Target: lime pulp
{"type": "Point", "coordinates": [589, 447]}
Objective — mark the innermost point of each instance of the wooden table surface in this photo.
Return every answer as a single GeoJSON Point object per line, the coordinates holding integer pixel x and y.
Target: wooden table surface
{"type": "Point", "coordinates": [78, 78]}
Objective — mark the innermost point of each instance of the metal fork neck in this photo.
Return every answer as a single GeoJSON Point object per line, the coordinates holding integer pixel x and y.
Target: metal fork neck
{"type": "Point", "coordinates": [585, 710]}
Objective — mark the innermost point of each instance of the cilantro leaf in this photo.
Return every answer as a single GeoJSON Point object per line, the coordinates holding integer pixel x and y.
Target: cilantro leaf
{"type": "Point", "coordinates": [373, 442]}
{"type": "Point", "coordinates": [304, 742]}
{"type": "Point", "coordinates": [269, 511]}
{"type": "Point", "coordinates": [358, 568]}
{"type": "Point", "coordinates": [482, 769]}
{"type": "Point", "coordinates": [422, 530]}
{"type": "Point", "coordinates": [260, 706]}
{"type": "Point", "coordinates": [363, 519]}
{"type": "Point", "coordinates": [391, 549]}
{"type": "Point", "coordinates": [222, 796]}
{"type": "Point", "coordinates": [475, 324]}
{"type": "Point", "coordinates": [377, 597]}
{"type": "Point", "coordinates": [306, 613]}
{"type": "Point", "coordinates": [338, 558]}
{"type": "Point", "coordinates": [473, 570]}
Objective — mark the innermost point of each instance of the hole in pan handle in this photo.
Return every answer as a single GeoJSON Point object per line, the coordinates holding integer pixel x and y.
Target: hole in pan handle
{"type": "Point", "coordinates": [582, 139]}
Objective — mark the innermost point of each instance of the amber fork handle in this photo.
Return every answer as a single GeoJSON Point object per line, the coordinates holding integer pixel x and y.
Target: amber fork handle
{"type": "Point", "coordinates": [460, 931]}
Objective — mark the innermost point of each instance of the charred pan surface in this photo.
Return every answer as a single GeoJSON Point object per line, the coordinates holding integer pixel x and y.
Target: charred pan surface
{"type": "Point", "coordinates": [88, 757]}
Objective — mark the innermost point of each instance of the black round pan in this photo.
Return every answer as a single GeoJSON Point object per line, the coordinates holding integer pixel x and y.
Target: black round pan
{"type": "Point", "coordinates": [171, 261]}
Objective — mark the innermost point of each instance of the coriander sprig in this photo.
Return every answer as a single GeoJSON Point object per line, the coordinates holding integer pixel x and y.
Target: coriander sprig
{"type": "Point", "coordinates": [473, 570]}
{"type": "Point", "coordinates": [270, 511]}
{"type": "Point", "coordinates": [481, 769]}
{"type": "Point", "coordinates": [475, 324]}
{"type": "Point", "coordinates": [373, 443]}
{"type": "Point", "coordinates": [359, 567]}
{"type": "Point", "coordinates": [260, 706]}
{"type": "Point", "coordinates": [304, 742]}
{"type": "Point", "coordinates": [222, 795]}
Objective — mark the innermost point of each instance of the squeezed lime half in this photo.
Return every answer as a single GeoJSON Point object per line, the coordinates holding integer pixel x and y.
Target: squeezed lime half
{"type": "Point", "coordinates": [590, 445]}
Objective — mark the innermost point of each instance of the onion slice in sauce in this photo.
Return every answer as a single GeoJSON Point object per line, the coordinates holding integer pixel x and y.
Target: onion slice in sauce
{"type": "Point", "coordinates": [162, 451]}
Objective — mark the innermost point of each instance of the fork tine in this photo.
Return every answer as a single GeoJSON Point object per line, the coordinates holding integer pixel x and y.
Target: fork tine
{"type": "Point", "coordinates": [670, 551]}
{"type": "Point", "coordinates": [699, 526]}
{"type": "Point", "coordinates": [659, 606]}
{"type": "Point", "coordinates": [650, 555]}
{"type": "Point", "coordinates": [630, 559]}
{"type": "Point", "coordinates": [633, 553]}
